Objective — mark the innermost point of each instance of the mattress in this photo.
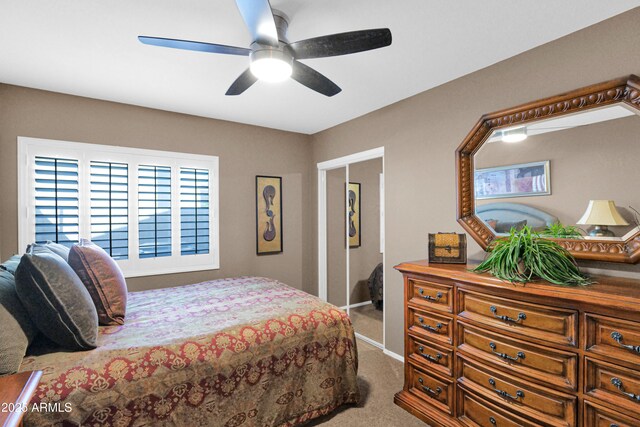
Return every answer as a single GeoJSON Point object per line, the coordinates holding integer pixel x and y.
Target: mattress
{"type": "Point", "coordinates": [246, 351]}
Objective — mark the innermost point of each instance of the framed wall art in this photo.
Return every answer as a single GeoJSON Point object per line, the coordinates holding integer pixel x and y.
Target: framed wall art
{"type": "Point", "coordinates": [268, 215]}
{"type": "Point", "coordinates": [526, 179]}
{"type": "Point", "coordinates": [354, 215]}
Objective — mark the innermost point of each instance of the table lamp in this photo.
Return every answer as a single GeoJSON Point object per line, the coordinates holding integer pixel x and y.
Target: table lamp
{"type": "Point", "coordinates": [600, 214]}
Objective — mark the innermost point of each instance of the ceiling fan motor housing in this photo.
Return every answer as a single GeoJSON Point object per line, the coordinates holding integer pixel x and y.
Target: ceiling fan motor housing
{"type": "Point", "coordinates": [273, 62]}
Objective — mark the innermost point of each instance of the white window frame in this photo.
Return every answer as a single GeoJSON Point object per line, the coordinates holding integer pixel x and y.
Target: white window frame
{"type": "Point", "coordinates": [29, 148]}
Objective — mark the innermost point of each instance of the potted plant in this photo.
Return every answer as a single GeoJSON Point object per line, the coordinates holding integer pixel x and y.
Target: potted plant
{"type": "Point", "coordinates": [558, 230]}
{"type": "Point", "coordinates": [524, 256]}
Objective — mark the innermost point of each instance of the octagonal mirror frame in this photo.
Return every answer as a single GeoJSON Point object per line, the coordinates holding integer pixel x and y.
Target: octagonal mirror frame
{"type": "Point", "coordinates": [620, 91]}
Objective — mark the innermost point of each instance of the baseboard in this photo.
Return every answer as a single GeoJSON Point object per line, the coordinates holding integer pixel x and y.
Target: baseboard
{"type": "Point", "coordinates": [369, 341]}
{"type": "Point", "coordinates": [393, 355]}
{"type": "Point", "coordinates": [359, 304]}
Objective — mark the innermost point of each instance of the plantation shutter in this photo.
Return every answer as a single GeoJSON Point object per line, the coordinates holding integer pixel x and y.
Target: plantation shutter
{"type": "Point", "coordinates": [56, 200]}
{"type": "Point", "coordinates": [194, 211]}
{"type": "Point", "coordinates": [110, 208]}
{"type": "Point", "coordinates": [154, 211]}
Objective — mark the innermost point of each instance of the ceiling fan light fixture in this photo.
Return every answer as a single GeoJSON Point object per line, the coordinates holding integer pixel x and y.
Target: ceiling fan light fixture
{"type": "Point", "coordinates": [271, 65]}
{"type": "Point", "coordinates": [518, 134]}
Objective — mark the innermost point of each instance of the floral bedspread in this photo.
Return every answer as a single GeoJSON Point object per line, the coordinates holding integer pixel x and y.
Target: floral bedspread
{"type": "Point", "coordinates": [247, 351]}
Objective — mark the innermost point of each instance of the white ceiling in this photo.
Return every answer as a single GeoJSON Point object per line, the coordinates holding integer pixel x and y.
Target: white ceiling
{"type": "Point", "coordinates": [89, 48]}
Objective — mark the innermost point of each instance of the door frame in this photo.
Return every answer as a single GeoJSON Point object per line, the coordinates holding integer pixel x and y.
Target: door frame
{"type": "Point", "coordinates": [323, 167]}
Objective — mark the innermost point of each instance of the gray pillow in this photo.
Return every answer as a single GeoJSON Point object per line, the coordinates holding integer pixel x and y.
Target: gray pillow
{"type": "Point", "coordinates": [505, 227]}
{"type": "Point", "coordinates": [16, 329]}
{"type": "Point", "coordinates": [57, 301]}
{"type": "Point", "coordinates": [11, 264]}
{"type": "Point", "coordinates": [56, 248]}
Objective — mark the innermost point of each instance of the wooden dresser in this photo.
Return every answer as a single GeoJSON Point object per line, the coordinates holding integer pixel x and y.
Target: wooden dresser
{"type": "Point", "coordinates": [481, 352]}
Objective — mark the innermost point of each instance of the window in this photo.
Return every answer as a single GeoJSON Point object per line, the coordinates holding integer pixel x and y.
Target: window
{"type": "Point", "coordinates": [109, 188]}
{"type": "Point", "coordinates": [154, 212]}
{"type": "Point", "coordinates": [56, 200]}
{"type": "Point", "coordinates": [194, 211]}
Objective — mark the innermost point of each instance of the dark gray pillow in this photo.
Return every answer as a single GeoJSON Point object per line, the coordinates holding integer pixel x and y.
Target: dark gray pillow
{"type": "Point", "coordinates": [16, 329]}
{"type": "Point", "coordinates": [505, 227]}
{"type": "Point", "coordinates": [57, 301]}
{"type": "Point", "coordinates": [56, 248]}
{"type": "Point", "coordinates": [11, 264]}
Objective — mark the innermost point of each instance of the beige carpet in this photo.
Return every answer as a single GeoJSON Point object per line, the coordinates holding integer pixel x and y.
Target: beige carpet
{"type": "Point", "coordinates": [367, 321]}
{"type": "Point", "coordinates": [379, 377]}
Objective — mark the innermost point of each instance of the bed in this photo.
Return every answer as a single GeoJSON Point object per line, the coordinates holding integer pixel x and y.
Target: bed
{"type": "Point", "coordinates": [245, 351]}
{"type": "Point", "coordinates": [504, 215]}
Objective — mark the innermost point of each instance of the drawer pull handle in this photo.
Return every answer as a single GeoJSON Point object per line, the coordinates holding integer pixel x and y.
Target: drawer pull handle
{"type": "Point", "coordinates": [428, 356]}
{"type": "Point", "coordinates": [505, 356]}
{"type": "Point", "coordinates": [617, 337]}
{"type": "Point", "coordinates": [494, 310]}
{"type": "Point", "coordinates": [429, 297]}
{"type": "Point", "coordinates": [502, 393]}
{"type": "Point", "coordinates": [614, 425]}
{"type": "Point", "coordinates": [492, 421]}
{"type": "Point", "coordinates": [429, 327]}
{"type": "Point", "coordinates": [617, 382]}
{"type": "Point", "coordinates": [435, 392]}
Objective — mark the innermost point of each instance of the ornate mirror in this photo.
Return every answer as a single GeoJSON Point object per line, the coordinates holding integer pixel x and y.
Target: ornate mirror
{"type": "Point", "coordinates": [566, 166]}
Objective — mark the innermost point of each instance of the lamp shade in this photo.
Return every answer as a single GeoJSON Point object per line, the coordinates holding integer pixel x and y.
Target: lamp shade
{"type": "Point", "coordinates": [602, 212]}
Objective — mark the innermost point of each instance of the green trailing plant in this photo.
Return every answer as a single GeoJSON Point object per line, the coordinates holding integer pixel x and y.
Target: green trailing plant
{"type": "Point", "coordinates": [524, 256]}
{"type": "Point", "coordinates": [561, 231]}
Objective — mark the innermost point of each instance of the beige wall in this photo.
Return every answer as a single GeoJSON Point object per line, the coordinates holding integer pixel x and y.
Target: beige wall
{"type": "Point", "coordinates": [244, 151]}
{"type": "Point", "coordinates": [420, 135]}
{"type": "Point", "coordinates": [598, 161]}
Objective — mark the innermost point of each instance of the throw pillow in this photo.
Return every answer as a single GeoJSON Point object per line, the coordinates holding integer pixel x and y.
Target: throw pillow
{"type": "Point", "coordinates": [505, 227]}
{"type": "Point", "coordinates": [17, 331]}
{"type": "Point", "coordinates": [56, 248]}
{"type": "Point", "coordinates": [103, 279]}
{"type": "Point", "coordinates": [11, 264]}
{"type": "Point", "coordinates": [57, 301]}
{"type": "Point", "coordinates": [492, 223]}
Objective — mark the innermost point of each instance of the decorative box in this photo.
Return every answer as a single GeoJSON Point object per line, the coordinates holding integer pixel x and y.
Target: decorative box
{"type": "Point", "coordinates": [448, 248]}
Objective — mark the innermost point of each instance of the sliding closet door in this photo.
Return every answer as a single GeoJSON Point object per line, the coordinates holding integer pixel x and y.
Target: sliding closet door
{"type": "Point", "coordinates": [336, 240]}
{"type": "Point", "coordinates": [365, 256]}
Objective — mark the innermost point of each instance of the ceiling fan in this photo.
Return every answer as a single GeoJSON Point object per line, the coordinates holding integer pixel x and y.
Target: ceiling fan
{"type": "Point", "coordinates": [273, 58]}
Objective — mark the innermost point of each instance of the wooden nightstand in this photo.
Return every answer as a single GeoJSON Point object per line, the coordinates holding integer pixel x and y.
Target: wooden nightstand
{"type": "Point", "coordinates": [16, 392]}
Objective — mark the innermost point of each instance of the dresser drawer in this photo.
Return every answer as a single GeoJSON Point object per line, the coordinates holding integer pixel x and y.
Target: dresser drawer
{"type": "Point", "coordinates": [549, 407]}
{"type": "Point", "coordinates": [549, 324]}
{"type": "Point", "coordinates": [432, 389]}
{"type": "Point", "coordinates": [431, 356]}
{"type": "Point", "coordinates": [613, 384]}
{"type": "Point", "coordinates": [431, 325]}
{"type": "Point", "coordinates": [613, 338]}
{"type": "Point", "coordinates": [476, 412]}
{"type": "Point", "coordinates": [598, 416]}
{"type": "Point", "coordinates": [431, 295]}
{"type": "Point", "coordinates": [540, 364]}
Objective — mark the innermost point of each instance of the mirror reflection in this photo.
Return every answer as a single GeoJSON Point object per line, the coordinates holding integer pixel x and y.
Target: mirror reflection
{"type": "Point", "coordinates": [572, 177]}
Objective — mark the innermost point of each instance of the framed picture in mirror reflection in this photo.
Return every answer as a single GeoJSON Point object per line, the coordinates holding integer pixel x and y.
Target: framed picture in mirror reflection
{"type": "Point", "coordinates": [519, 180]}
{"type": "Point", "coordinates": [353, 212]}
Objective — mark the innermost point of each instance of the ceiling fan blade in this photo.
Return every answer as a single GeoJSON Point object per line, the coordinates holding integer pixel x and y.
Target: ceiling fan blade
{"type": "Point", "coordinates": [313, 79]}
{"type": "Point", "coordinates": [197, 46]}
{"type": "Point", "coordinates": [341, 44]}
{"type": "Point", "coordinates": [259, 19]}
{"type": "Point", "coordinates": [242, 83]}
